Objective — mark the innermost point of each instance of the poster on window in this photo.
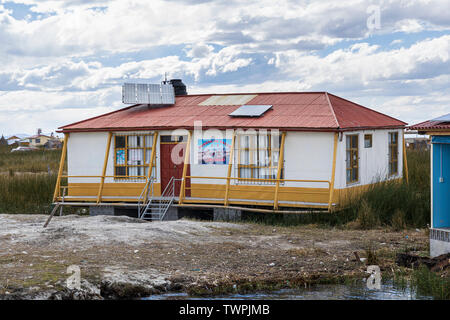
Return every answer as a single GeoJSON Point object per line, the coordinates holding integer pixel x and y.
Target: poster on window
{"type": "Point", "coordinates": [214, 151]}
{"type": "Point", "coordinates": [120, 157]}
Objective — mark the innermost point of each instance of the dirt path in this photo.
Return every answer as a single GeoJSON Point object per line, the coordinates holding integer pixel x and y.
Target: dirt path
{"type": "Point", "coordinates": [125, 257]}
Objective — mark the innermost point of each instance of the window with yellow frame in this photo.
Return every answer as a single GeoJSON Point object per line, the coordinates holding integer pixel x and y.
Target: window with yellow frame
{"type": "Point", "coordinates": [257, 157]}
{"type": "Point", "coordinates": [132, 154]}
{"type": "Point", "coordinates": [352, 158]}
{"type": "Point", "coordinates": [393, 153]}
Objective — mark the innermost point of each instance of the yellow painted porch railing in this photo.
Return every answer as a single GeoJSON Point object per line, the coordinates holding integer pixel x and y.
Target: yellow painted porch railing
{"type": "Point", "coordinates": [322, 193]}
{"type": "Point", "coordinates": [273, 183]}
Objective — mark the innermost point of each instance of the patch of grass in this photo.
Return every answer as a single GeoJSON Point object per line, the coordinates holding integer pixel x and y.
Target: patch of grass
{"type": "Point", "coordinates": [372, 257]}
{"type": "Point", "coordinates": [367, 218]}
{"type": "Point", "coordinates": [30, 161]}
{"type": "Point", "coordinates": [426, 282]}
{"type": "Point", "coordinates": [26, 184]}
{"type": "Point", "coordinates": [27, 193]}
{"type": "Point", "coordinates": [398, 220]}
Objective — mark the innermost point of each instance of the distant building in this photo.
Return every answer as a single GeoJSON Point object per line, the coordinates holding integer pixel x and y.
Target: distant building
{"type": "Point", "coordinates": [418, 143]}
{"type": "Point", "coordinates": [53, 144]}
{"type": "Point", "coordinates": [13, 139]}
{"type": "Point", "coordinates": [39, 140]}
{"type": "Point", "coordinates": [3, 141]}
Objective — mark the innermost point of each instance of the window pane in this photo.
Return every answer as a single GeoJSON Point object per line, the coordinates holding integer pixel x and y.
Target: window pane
{"type": "Point", "coordinates": [121, 171]}
{"type": "Point", "coordinates": [368, 141]}
{"type": "Point", "coordinates": [355, 174]}
{"type": "Point", "coordinates": [132, 171]}
{"type": "Point", "coordinates": [148, 141]}
{"type": "Point", "coordinates": [135, 156]}
{"type": "Point", "coordinates": [355, 142]}
{"type": "Point", "coordinates": [148, 155]}
{"type": "Point", "coordinates": [120, 142]}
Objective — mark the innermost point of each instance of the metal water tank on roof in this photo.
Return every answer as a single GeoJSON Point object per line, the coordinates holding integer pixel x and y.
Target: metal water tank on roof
{"type": "Point", "coordinates": [179, 87]}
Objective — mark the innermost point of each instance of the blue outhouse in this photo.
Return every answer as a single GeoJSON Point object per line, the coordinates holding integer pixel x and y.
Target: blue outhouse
{"type": "Point", "coordinates": [439, 130]}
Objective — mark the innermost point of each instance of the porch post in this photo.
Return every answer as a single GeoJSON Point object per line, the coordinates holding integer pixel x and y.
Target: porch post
{"type": "Point", "coordinates": [186, 160]}
{"type": "Point", "coordinates": [230, 165]}
{"type": "Point", "coordinates": [152, 160]}
{"type": "Point", "coordinates": [280, 166]}
{"type": "Point", "coordinates": [105, 164]}
{"type": "Point", "coordinates": [333, 172]}
{"type": "Point", "coordinates": [61, 167]}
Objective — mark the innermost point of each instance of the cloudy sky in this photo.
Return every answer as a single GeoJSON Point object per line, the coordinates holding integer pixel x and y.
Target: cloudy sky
{"type": "Point", "coordinates": [63, 61]}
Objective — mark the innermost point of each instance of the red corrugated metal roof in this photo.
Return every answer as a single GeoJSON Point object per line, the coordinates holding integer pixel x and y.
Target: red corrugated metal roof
{"type": "Point", "coordinates": [430, 125]}
{"type": "Point", "coordinates": [294, 111]}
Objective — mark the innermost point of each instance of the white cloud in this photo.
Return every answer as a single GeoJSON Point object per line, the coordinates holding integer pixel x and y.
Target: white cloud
{"type": "Point", "coordinates": [56, 62]}
{"type": "Point", "coordinates": [409, 26]}
{"type": "Point", "coordinates": [363, 64]}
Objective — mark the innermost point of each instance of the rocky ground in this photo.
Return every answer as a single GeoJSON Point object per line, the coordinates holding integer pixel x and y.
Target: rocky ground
{"type": "Point", "coordinates": [122, 257]}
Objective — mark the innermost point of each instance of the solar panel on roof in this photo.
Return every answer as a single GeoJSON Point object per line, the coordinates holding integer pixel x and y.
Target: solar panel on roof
{"type": "Point", "coordinates": [153, 94]}
{"type": "Point", "coordinates": [444, 118]}
{"type": "Point", "coordinates": [250, 110]}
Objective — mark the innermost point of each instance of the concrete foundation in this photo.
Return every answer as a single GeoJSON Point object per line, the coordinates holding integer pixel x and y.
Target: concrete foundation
{"type": "Point", "coordinates": [101, 210]}
{"type": "Point", "coordinates": [439, 242]}
{"type": "Point", "coordinates": [226, 214]}
{"type": "Point", "coordinates": [171, 214]}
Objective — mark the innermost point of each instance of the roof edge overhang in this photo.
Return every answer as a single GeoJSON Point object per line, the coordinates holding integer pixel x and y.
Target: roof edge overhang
{"type": "Point", "coordinates": [331, 129]}
{"type": "Point", "coordinates": [431, 132]}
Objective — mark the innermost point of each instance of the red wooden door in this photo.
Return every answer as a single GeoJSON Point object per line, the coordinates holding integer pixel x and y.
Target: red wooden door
{"type": "Point", "coordinates": [169, 169]}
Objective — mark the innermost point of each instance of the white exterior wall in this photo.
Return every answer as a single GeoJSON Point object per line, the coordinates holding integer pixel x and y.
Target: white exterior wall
{"type": "Point", "coordinates": [308, 156]}
{"type": "Point", "coordinates": [373, 162]}
{"type": "Point", "coordinates": [85, 156]}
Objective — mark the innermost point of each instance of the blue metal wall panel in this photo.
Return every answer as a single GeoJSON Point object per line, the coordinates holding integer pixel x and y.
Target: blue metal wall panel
{"type": "Point", "coordinates": [440, 139]}
{"type": "Point", "coordinates": [441, 185]}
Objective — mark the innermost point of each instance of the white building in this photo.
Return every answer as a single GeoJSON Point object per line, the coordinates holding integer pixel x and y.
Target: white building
{"type": "Point", "coordinates": [279, 152]}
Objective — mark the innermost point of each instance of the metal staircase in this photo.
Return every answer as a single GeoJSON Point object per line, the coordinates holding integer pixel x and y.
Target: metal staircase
{"type": "Point", "coordinates": [155, 209]}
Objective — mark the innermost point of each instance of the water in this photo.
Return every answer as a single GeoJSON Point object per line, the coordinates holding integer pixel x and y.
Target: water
{"type": "Point", "coordinates": [356, 291]}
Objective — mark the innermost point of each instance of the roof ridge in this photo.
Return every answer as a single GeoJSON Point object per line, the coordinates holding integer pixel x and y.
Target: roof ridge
{"type": "Point", "coordinates": [249, 93]}
{"type": "Point", "coordinates": [366, 108]}
{"type": "Point", "coordinates": [332, 110]}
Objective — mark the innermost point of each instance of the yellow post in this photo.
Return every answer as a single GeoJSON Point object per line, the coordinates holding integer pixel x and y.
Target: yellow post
{"type": "Point", "coordinates": [333, 172]}
{"type": "Point", "coordinates": [186, 160]}
{"type": "Point", "coordinates": [152, 160]}
{"type": "Point", "coordinates": [230, 165]}
{"type": "Point", "coordinates": [280, 166]}
{"type": "Point", "coordinates": [105, 164]}
{"type": "Point", "coordinates": [61, 167]}
{"type": "Point", "coordinates": [405, 160]}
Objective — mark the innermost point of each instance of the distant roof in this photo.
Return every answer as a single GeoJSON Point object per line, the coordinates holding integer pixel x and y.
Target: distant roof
{"type": "Point", "coordinates": [39, 135]}
{"type": "Point", "coordinates": [439, 124]}
{"type": "Point", "coordinates": [18, 136]}
{"type": "Point", "coordinates": [308, 111]}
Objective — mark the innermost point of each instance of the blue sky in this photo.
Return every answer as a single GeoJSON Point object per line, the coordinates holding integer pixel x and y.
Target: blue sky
{"type": "Point", "coordinates": [64, 61]}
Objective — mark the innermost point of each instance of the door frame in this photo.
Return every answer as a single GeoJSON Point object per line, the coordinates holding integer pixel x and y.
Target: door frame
{"type": "Point", "coordinates": [188, 180]}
